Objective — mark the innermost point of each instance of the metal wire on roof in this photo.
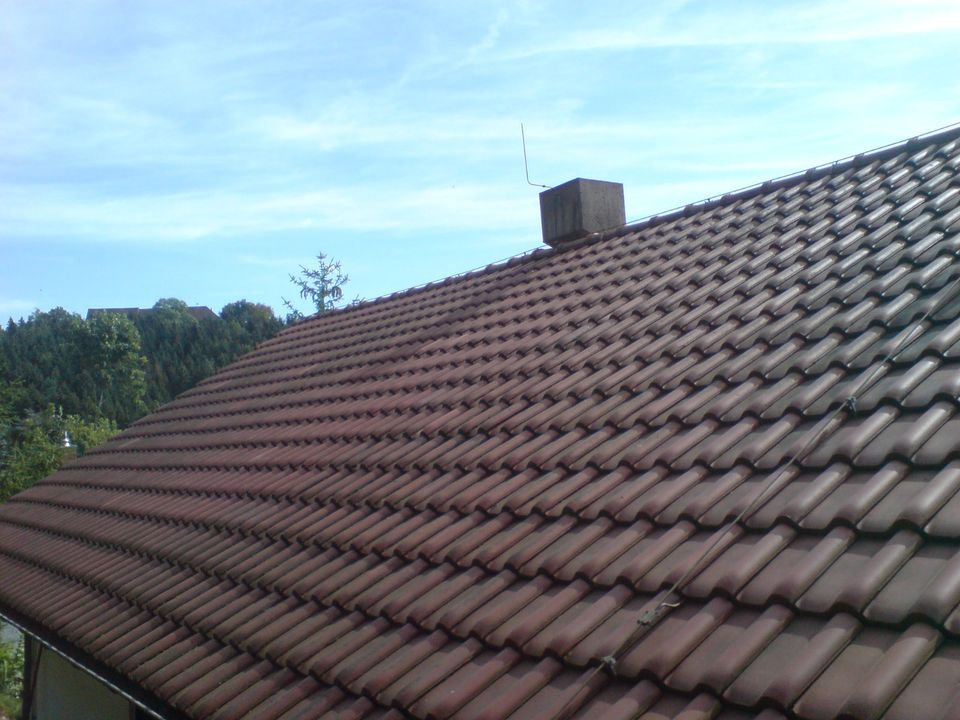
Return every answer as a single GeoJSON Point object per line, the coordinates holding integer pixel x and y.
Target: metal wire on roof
{"type": "Point", "coordinates": [671, 599]}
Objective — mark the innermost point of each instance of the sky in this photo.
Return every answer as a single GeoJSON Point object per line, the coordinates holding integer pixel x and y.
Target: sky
{"type": "Point", "coordinates": [206, 149]}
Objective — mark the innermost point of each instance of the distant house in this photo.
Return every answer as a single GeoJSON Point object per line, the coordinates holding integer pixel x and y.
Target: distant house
{"type": "Point", "coordinates": [706, 465]}
{"type": "Point", "coordinates": [200, 312]}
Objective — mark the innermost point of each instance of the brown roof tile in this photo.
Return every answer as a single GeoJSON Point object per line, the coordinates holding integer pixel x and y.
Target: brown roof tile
{"type": "Point", "coordinates": [456, 501]}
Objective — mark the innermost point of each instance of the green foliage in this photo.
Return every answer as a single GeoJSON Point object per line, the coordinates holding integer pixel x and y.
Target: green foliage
{"type": "Point", "coordinates": [11, 677]}
{"type": "Point", "coordinates": [322, 286]}
{"type": "Point", "coordinates": [86, 435]}
{"type": "Point", "coordinates": [43, 355]}
{"type": "Point", "coordinates": [35, 452]}
{"type": "Point", "coordinates": [89, 368]}
{"type": "Point", "coordinates": [174, 341]}
{"type": "Point", "coordinates": [111, 354]}
{"type": "Point", "coordinates": [249, 323]}
{"type": "Point", "coordinates": [118, 366]}
{"type": "Point", "coordinates": [36, 447]}
{"type": "Point", "coordinates": [183, 349]}
{"type": "Point", "coordinates": [62, 375]}
{"type": "Point", "coordinates": [11, 397]}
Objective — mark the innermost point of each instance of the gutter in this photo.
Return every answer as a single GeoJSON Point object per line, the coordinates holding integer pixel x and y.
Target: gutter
{"type": "Point", "coordinates": [122, 686]}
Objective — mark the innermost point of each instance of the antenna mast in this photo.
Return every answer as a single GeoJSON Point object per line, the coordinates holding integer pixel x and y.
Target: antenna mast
{"type": "Point", "coordinates": [526, 168]}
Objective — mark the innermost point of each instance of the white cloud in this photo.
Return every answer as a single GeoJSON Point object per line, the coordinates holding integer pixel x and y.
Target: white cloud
{"type": "Point", "coordinates": [729, 24]}
{"type": "Point", "coordinates": [402, 120]}
{"type": "Point", "coordinates": [200, 215]}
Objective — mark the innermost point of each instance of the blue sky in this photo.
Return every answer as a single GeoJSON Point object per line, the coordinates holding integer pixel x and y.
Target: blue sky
{"type": "Point", "coordinates": [203, 150]}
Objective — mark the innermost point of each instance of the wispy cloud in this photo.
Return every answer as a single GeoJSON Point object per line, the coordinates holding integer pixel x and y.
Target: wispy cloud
{"type": "Point", "coordinates": [175, 128]}
{"type": "Point", "coordinates": [664, 25]}
{"type": "Point", "coordinates": [199, 215]}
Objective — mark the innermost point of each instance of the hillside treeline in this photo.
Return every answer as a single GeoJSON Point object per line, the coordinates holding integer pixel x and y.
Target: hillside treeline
{"type": "Point", "coordinates": [69, 380]}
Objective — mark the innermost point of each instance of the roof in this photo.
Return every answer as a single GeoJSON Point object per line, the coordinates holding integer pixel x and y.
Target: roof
{"type": "Point", "coordinates": [199, 312]}
{"type": "Point", "coordinates": [456, 501]}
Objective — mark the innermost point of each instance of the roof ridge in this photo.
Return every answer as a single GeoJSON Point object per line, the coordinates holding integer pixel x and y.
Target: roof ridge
{"type": "Point", "coordinates": [940, 134]}
{"type": "Point", "coordinates": [856, 160]}
{"type": "Point", "coordinates": [477, 271]}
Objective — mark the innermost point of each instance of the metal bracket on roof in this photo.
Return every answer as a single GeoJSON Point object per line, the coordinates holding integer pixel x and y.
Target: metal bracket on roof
{"type": "Point", "coordinates": [644, 624]}
{"type": "Point", "coordinates": [851, 403]}
{"type": "Point", "coordinates": [656, 612]}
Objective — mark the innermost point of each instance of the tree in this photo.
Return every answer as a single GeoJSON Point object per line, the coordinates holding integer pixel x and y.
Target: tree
{"type": "Point", "coordinates": [11, 676]}
{"type": "Point", "coordinates": [116, 367]}
{"type": "Point", "coordinates": [176, 344]}
{"type": "Point", "coordinates": [11, 397]}
{"type": "Point", "coordinates": [85, 435]}
{"type": "Point", "coordinates": [60, 374]}
{"type": "Point", "coordinates": [44, 355]}
{"type": "Point", "coordinates": [247, 324]}
{"type": "Point", "coordinates": [183, 348]}
{"type": "Point", "coordinates": [36, 452]}
{"type": "Point", "coordinates": [90, 368]}
{"type": "Point", "coordinates": [244, 326]}
{"type": "Point", "coordinates": [39, 447]}
{"type": "Point", "coordinates": [322, 286]}
{"type": "Point", "coordinates": [113, 367]}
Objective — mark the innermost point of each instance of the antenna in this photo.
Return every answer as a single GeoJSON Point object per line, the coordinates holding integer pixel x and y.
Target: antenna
{"type": "Point", "coordinates": [526, 168]}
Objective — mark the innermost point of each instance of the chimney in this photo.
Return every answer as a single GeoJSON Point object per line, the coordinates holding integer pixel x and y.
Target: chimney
{"type": "Point", "coordinates": [578, 208]}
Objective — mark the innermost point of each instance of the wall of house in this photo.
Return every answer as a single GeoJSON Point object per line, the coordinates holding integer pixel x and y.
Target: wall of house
{"type": "Point", "coordinates": [9, 634]}
{"type": "Point", "coordinates": [64, 692]}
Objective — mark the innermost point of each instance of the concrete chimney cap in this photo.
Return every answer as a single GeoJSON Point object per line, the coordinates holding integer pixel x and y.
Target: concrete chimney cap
{"type": "Point", "coordinates": [579, 207]}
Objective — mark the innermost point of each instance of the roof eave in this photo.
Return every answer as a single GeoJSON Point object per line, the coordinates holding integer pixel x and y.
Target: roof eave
{"type": "Point", "coordinates": [118, 683]}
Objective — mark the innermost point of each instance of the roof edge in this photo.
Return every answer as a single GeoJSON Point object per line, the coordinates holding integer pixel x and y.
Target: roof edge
{"type": "Point", "coordinates": [883, 152]}
{"type": "Point", "coordinates": [509, 261]}
{"type": "Point", "coordinates": [118, 683]}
